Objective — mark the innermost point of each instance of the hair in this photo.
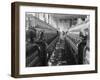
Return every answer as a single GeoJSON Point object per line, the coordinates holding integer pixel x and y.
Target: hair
{"type": "Point", "coordinates": [82, 33]}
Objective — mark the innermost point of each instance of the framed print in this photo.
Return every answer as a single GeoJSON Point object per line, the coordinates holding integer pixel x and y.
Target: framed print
{"type": "Point", "coordinates": [53, 39]}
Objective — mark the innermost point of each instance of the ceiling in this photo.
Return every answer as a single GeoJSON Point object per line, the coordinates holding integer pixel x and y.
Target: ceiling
{"type": "Point", "coordinates": [67, 16]}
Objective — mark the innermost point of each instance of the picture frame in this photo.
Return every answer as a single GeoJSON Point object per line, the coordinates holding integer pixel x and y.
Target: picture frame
{"type": "Point", "coordinates": [22, 15]}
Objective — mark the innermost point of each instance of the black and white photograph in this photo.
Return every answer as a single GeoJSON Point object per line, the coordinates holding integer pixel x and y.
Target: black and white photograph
{"type": "Point", "coordinates": [51, 39]}
{"type": "Point", "coordinates": [54, 39]}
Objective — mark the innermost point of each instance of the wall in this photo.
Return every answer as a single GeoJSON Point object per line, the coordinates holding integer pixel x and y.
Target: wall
{"type": "Point", "coordinates": [63, 25]}
{"type": "Point", "coordinates": [5, 40]}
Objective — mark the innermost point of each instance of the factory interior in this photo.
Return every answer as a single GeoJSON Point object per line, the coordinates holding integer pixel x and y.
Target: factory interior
{"type": "Point", "coordinates": [54, 39]}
